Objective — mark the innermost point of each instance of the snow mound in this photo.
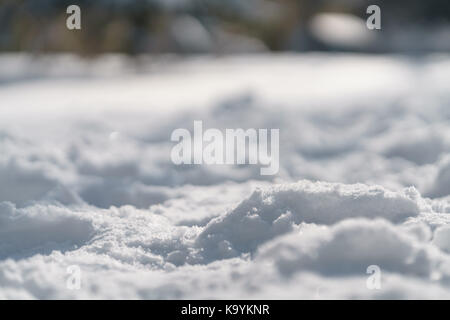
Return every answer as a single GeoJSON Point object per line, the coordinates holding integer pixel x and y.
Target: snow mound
{"type": "Point", "coordinates": [275, 211]}
{"type": "Point", "coordinates": [41, 229]}
{"type": "Point", "coordinates": [349, 247]}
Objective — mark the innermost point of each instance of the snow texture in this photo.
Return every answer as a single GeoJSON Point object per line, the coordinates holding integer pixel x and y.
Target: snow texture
{"type": "Point", "coordinates": [86, 178]}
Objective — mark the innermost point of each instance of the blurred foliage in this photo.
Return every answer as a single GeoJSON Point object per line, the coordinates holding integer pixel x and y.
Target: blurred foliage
{"type": "Point", "coordinates": [186, 26]}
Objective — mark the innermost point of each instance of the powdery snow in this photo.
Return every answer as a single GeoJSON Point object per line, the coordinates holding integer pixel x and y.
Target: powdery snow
{"type": "Point", "coordinates": [86, 178]}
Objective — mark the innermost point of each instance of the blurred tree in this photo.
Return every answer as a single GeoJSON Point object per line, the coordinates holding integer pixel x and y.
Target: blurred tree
{"type": "Point", "coordinates": [138, 26]}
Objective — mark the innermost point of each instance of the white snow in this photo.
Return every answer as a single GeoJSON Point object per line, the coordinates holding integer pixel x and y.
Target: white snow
{"type": "Point", "coordinates": [86, 177]}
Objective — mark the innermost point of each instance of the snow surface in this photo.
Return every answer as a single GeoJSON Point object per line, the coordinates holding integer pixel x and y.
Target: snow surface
{"type": "Point", "coordinates": [86, 177]}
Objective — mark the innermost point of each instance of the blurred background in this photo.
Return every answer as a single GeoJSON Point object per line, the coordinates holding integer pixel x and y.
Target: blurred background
{"type": "Point", "coordinates": [223, 26]}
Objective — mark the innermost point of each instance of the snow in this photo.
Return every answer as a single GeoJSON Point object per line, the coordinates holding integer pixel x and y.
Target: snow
{"type": "Point", "coordinates": [270, 213]}
{"type": "Point", "coordinates": [86, 177]}
{"type": "Point", "coordinates": [40, 227]}
{"type": "Point", "coordinates": [351, 246]}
